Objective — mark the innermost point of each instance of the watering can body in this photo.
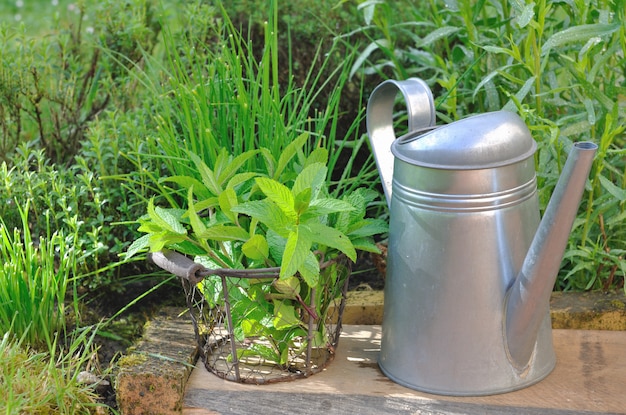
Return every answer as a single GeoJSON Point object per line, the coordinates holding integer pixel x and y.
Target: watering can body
{"type": "Point", "coordinates": [464, 216]}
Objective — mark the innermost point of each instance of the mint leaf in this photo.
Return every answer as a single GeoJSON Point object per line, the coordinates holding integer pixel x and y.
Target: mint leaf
{"type": "Point", "coordinates": [289, 152]}
{"type": "Point", "coordinates": [327, 236]}
{"type": "Point", "coordinates": [313, 177]}
{"type": "Point", "coordinates": [267, 213]}
{"type": "Point", "coordinates": [227, 200]}
{"type": "Point", "coordinates": [208, 177]}
{"type": "Point", "coordinates": [279, 194]}
{"type": "Point", "coordinates": [256, 248]}
{"type": "Point", "coordinates": [310, 270]}
{"type": "Point", "coordinates": [197, 225]}
{"type": "Point", "coordinates": [367, 227]}
{"type": "Point", "coordinates": [224, 233]}
{"type": "Point", "coordinates": [326, 206]}
{"type": "Point", "coordinates": [285, 315]}
{"type": "Point", "coordinates": [233, 165]}
{"type": "Point", "coordinates": [165, 219]}
{"type": "Point", "coordinates": [296, 250]}
{"type": "Point", "coordinates": [138, 245]}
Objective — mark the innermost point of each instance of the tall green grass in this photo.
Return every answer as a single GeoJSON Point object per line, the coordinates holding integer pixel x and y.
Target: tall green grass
{"type": "Point", "coordinates": [35, 277]}
{"type": "Point", "coordinates": [226, 94]}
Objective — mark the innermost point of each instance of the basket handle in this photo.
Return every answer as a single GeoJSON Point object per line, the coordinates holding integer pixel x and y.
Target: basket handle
{"type": "Point", "coordinates": [179, 265]}
{"type": "Point", "coordinates": [184, 267]}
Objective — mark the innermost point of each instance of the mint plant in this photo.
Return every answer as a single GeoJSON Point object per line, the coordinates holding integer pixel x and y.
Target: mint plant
{"type": "Point", "coordinates": [280, 217]}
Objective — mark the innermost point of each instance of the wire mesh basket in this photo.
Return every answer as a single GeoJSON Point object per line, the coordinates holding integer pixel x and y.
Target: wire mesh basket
{"type": "Point", "coordinates": [252, 327]}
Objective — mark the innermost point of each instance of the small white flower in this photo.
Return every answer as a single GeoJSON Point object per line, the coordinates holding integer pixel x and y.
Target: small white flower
{"type": "Point", "coordinates": [19, 4]}
{"type": "Point", "coordinates": [89, 30]}
{"type": "Point", "coordinates": [55, 2]}
{"type": "Point", "coordinates": [18, 17]}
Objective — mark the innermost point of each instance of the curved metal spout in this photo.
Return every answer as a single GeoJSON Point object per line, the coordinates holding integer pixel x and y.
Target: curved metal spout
{"type": "Point", "coordinates": [420, 113]}
{"type": "Point", "coordinates": [529, 297]}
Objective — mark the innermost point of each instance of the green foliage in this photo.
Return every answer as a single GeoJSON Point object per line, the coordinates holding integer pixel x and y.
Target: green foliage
{"type": "Point", "coordinates": [52, 86]}
{"type": "Point", "coordinates": [560, 65]}
{"type": "Point", "coordinates": [272, 217]}
{"type": "Point", "coordinates": [35, 275]}
{"type": "Point", "coordinates": [198, 111]}
{"type": "Point", "coordinates": [83, 200]}
{"type": "Point", "coordinates": [45, 382]}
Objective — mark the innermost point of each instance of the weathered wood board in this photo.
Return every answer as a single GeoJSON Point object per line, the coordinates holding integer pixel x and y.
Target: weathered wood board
{"type": "Point", "coordinates": [590, 378]}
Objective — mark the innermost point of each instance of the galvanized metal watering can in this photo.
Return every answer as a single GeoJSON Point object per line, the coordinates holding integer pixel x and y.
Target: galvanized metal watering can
{"type": "Point", "coordinates": [470, 265]}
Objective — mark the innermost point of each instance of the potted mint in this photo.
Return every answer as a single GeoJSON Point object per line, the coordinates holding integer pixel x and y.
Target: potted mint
{"type": "Point", "coordinates": [265, 258]}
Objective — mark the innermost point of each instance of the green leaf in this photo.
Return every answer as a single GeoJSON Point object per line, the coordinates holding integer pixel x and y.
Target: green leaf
{"type": "Point", "coordinates": [310, 270]}
{"type": "Point", "coordinates": [197, 225]}
{"type": "Point", "coordinates": [520, 94]}
{"type": "Point", "coordinates": [578, 34]}
{"type": "Point", "coordinates": [296, 250]}
{"type": "Point", "coordinates": [313, 177]}
{"type": "Point", "coordinates": [285, 315]}
{"type": "Point", "coordinates": [327, 236]}
{"type": "Point", "coordinates": [158, 241]}
{"type": "Point", "coordinates": [208, 177]}
{"type": "Point", "coordinates": [277, 244]}
{"type": "Point", "coordinates": [225, 233]}
{"type": "Point", "coordinates": [302, 200]}
{"type": "Point", "coordinates": [368, 227]}
{"type": "Point", "coordinates": [289, 286]}
{"type": "Point", "coordinates": [321, 207]}
{"type": "Point", "coordinates": [256, 247]}
{"type": "Point", "coordinates": [289, 152]}
{"type": "Point", "coordinates": [268, 213]}
{"type": "Point", "coordinates": [523, 12]}
{"type": "Point", "coordinates": [221, 161]}
{"type": "Point", "coordinates": [138, 245]}
{"type": "Point", "coordinates": [369, 49]}
{"type": "Point", "coordinates": [163, 218]}
{"type": "Point", "coordinates": [187, 182]}
{"type": "Point", "coordinates": [279, 194]}
{"type": "Point", "coordinates": [440, 33]}
{"type": "Point", "coordinates": [149, 227]}
{"type": "Point", "coordinates": [228, 200]}
{"type": "Point", "coordinates": [235, 164]}
{"type": "Point", "coordinates": [319, 155]}
{"type": "Point", "coordinates": [209, 203]}
{"type": "Point", "coordinates": [617, 192]}
{"type": "Point", "coordinates": [365, 244]}
{"type": "Point", "coordinates": [253, 328]}
{"type": "Point", "coordinates": [237, 179]}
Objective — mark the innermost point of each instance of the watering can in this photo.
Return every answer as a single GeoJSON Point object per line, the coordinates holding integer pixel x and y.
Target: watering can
{"type": "Point", "coordinates": [470, 264]}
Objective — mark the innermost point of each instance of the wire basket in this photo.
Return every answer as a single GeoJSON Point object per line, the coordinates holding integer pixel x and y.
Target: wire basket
{"type": "Point", "coordinates": [250, 329]}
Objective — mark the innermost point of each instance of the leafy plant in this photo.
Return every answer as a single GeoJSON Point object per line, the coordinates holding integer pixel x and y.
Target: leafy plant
{"type": "Point", "coordinates": [217, 90]}
{"type": "Point", "coordinates": [279, 216]}
{"type": "Point", "coordinates": [559, 65]}
{"type": "Point", "coordinates": [52, 86]}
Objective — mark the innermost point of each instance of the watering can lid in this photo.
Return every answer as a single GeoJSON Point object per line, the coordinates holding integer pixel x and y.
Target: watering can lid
{"type": "Point", "coordinates": [482, 141]}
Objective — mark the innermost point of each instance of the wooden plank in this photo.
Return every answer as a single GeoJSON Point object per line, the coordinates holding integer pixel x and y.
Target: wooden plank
{"type": "Point", "coordinates": [590, 378]}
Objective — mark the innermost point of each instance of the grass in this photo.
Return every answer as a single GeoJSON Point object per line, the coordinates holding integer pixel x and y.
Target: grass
{"type": "Point", "coordinates": [41, 383]}
{"type": "Point", "coordinates": [226, 94]}
{"type": "Point", "coordinates": [35, 276]}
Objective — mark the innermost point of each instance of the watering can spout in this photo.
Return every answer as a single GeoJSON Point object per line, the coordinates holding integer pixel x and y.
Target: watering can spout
{"type": "Point", "coordinates": [420, 113]}
{"type": "Point", "coordinates": [528, 298]}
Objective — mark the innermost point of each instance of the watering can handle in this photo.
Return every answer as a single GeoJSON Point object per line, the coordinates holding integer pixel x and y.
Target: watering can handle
{"type": "Point", "coordinates": [420, 111]}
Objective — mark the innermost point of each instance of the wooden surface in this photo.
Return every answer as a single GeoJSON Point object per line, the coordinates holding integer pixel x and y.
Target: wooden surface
{"type": "Point", "coordinates": [590, 378]}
